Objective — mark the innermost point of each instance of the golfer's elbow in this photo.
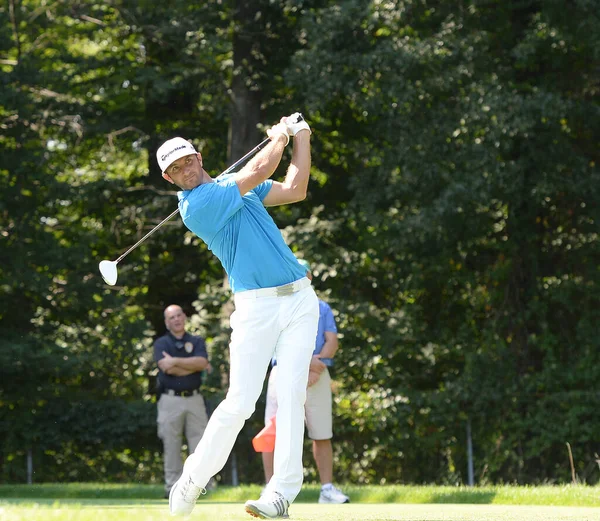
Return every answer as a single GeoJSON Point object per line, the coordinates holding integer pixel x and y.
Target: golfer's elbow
{"type": "Point", "coordinates": [299, 194]}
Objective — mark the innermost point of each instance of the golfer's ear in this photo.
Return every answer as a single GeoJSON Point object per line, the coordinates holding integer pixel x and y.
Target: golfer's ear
{"type": "Point", "coordinates": [168, 178]}
{"type": "Point", "coordinates": [200, 158]}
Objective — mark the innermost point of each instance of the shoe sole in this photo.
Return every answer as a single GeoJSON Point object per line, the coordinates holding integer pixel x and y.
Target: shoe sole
{"type": "Point", "coordinates": [255, 512]}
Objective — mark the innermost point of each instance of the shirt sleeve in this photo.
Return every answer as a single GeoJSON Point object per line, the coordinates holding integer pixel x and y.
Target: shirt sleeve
{"type": "Point", "coordinates": [200, 347]}
{"type": "Point", "coordinates": [158, 349]}
{"type": "Point", "coordinates": [211, 205]}
{"type": "Point", "coordinates": [329, 320]}
{"type": "Point", "coordinates": [263, 189]}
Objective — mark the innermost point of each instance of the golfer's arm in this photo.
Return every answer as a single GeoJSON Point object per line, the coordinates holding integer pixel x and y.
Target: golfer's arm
{"type": "Point", "coordinates": [295, 185]}
{"type": "Point", "coordinates": [261, 166]}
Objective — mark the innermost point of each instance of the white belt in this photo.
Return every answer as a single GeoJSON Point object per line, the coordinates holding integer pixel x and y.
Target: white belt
{"type": "Point", "coordinates": [276, 291]}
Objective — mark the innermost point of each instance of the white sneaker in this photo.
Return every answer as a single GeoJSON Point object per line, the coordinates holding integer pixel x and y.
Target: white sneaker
{"type": "Point", "coordinates": [332, 494]}
{"type": "Point", "coordinates": [183, 496]}
{"type": "Point", "coordinates": [270, 506]}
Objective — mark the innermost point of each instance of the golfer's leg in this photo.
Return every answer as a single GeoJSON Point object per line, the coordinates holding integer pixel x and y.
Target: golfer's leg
{"type": "Point", "coordinates": [170, 420]}
{"type": "Point", "coordinates": [294, 350]}
{"type": "Point", "coordinates": [255, 331]}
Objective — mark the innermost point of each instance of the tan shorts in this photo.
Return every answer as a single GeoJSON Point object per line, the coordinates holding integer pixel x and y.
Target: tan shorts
{"type": "Point", "coordinates": [317, 410]}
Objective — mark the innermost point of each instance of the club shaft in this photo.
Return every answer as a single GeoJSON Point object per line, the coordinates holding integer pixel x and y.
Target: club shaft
{"type": "Point", "coordinates": [148, 234]}
{"type": "Point", "coordinates": [175, 212]}
{"type": "Point", "coordinates": [249, 154]}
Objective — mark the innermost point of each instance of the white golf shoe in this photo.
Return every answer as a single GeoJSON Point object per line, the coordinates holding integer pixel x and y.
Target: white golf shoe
{"type": "Point", "coordinates": [332, 495]}
{"type": "Point", "coordinates": [271, 505]}
{"type": "Point", "coordinates": [183, 496]}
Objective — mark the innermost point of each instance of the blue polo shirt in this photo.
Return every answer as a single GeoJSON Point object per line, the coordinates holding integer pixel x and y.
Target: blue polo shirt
{"type": "Point", "coordinates": [240, 232]}
{"type": "Point", "coordinates": [185, 347]}
{"type": "Point", "coordinates": [326, 323]}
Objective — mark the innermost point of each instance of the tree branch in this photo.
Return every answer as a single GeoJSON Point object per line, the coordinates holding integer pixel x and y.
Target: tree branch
{"type": "Point", "coordinates": [151, 189]}
{"type": "Point", "coordinates": [116, 133]}
{"type": "Point", "coordinates": [13, 20]}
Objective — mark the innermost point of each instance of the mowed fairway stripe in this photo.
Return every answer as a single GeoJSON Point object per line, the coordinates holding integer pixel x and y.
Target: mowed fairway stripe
{"type": "Point", "coordinates": [206, 511]}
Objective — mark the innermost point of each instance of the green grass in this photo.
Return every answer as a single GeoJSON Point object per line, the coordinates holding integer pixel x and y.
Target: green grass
{"type": "Point", "coordinates": [100, 502]}
{"type": "Point", "coordinates": [298, 512]}
{"type": "Point", "coordinates": [566, 495]}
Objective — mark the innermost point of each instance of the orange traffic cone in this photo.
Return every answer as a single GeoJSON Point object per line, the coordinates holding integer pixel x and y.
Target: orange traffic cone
{"type": "Point", "coordinates": [264, 441]}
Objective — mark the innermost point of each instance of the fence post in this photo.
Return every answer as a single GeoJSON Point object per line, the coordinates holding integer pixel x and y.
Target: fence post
{"type": "Point", "coordinates": [29, 466]}
{"type": "Point", "coordinates": [469, 454]}
{"type": "Point", "coordinates": [234, 470]}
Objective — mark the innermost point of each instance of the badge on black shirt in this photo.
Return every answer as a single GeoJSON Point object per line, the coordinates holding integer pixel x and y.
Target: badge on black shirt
{"type": "Point", "coordinates": [189, 347]}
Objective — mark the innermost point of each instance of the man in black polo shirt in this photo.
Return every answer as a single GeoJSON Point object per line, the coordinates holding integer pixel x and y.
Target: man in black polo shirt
{"type": "Point", "coordinates": [181, 358]}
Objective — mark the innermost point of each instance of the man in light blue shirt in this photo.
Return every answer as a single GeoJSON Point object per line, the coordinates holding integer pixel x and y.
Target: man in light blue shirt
{"type": "Point", "coordinates": [276, 309]}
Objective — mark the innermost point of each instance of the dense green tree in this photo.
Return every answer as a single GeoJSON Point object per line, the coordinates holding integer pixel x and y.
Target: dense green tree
{"type": "Point", "coordinates": [464, 135]}
{"type": "Point", "coordinates": [451, 223]}
{"type": "Point", "coordinates": [109, 82]}
{"type": "Point", "coordinates": [62, 343]}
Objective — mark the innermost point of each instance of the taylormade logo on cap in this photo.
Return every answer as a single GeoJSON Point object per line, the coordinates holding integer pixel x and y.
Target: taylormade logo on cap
{"type": "Point", "coordinates": [164, 158]}
{"type": "Point", "coordinates": [172, 150]}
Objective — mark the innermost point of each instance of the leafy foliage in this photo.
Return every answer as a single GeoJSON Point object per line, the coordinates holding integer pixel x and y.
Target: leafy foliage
{"type": "Point", "coordinates": [451, 223]}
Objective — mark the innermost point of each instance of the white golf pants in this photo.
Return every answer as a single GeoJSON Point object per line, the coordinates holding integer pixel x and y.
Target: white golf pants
{"type": "Point", "coordinates": [263, 326]}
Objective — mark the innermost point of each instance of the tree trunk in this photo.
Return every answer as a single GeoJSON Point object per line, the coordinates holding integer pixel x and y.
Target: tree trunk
{"type": "Point", "coordinates": [245, 91]}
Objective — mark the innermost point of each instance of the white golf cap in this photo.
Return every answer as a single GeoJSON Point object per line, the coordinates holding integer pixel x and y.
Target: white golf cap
{"type": "Point", "coordinates": [172, 150]}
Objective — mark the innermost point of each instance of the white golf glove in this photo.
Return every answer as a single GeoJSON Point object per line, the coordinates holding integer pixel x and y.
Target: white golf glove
{"type": "Point", "coordinates": [295, 123]}
{"type": "Point", "coordinates": [280, 128]}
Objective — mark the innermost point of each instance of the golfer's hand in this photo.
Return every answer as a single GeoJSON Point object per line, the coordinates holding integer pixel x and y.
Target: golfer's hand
{"type": "Point", "coordinates": [276, 130]}
{"type": "Point", "coordinates": [296, 123]}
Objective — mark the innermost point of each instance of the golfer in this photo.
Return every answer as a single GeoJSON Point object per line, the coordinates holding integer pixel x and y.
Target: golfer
{"type": "Point", "coordinates": [276, 309]}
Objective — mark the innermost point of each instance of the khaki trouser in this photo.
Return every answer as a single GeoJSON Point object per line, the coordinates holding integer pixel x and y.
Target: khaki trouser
{"type": "Point", "coordinates": [317, 409]}
{"type": "Point", "coordinates": [178, 416]}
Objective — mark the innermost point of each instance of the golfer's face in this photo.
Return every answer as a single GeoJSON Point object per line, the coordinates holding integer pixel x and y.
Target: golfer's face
{"type": "Point", "coordinates": [186, 172]}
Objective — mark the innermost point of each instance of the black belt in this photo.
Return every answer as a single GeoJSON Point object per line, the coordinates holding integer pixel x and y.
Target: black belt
{"type": "Point", "coordinates": [185, 394]}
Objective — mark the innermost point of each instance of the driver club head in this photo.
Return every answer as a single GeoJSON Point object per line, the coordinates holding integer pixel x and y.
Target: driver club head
{"type": "Point", "coordinates": [108, 270]}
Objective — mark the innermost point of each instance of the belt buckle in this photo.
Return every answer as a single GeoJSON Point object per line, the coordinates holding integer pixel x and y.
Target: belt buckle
{"type": "Point", "coordinates": [285, 290]}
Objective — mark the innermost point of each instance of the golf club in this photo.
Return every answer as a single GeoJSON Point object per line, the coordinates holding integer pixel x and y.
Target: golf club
{"type": "Point", "coordinates": [108, 269]}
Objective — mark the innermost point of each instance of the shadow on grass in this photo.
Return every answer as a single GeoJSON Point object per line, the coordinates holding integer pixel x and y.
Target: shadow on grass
{"type": "Point", "coordinates": [462, 496]}
{"type": "Point", "coordinates": [99, 502]}
{"type": "Point", "coordinates": [55, 491]}
{"type": "Point", "coordinates": [136, 493]}
{"type": "Point", "coordinates": [406, 494]}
